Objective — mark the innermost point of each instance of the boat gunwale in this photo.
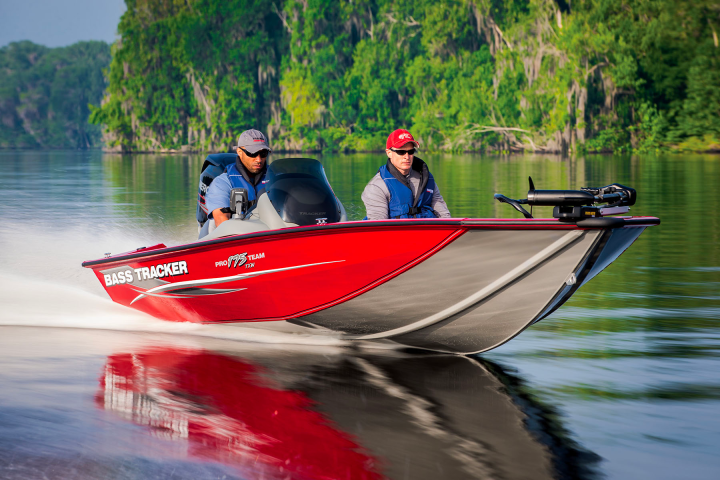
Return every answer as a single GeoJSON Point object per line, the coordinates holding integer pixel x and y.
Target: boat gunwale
{"type": "Point", "coordinates": [467, 223]}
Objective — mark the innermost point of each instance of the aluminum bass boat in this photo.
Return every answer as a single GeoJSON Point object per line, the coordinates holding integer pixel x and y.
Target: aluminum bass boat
{"type": "Point", "coordinates": [292, 261]}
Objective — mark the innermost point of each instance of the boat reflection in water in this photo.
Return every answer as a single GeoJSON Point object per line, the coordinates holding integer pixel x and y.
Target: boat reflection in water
{"type": "Point", "coordinates": [286, 415]}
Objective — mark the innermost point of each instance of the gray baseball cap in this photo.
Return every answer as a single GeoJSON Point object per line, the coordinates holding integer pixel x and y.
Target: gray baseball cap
{"type": "Point", "coordinates": [253, 141]}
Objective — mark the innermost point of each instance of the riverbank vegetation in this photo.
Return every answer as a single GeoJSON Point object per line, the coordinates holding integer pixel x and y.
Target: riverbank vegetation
{"type": "Point", "coordinates": [462, 75]}
{"type": "Point", "coordinates": [45, 94]}
{"type": "Point", "coordinates": [540, 75]}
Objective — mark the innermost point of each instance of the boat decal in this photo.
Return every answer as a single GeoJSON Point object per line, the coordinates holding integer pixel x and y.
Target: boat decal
{"type": "Point", "coordinates": [168, 287]}
{"type": "Point", "coordinates": [191, 292]}
{"type": "Point", "coordinates": [118, 277]}
{"type": "Point", "coordinates": [239, 259]}
{"type": "Point", "coordinates": [143, 275]}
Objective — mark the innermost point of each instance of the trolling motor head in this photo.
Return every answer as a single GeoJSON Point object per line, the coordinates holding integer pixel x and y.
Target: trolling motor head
{"type": "Point", "coordinates": [577, 204]}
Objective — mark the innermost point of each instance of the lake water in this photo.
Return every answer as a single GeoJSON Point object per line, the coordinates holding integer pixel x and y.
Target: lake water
{"type": "Point", "coordinates": [621, 382]}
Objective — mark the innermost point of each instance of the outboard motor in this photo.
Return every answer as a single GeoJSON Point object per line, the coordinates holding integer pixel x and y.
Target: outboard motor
{"type": "Point", "coordinates": [573, 205]}
{"type": "Point", "coordinates": [300, 192]}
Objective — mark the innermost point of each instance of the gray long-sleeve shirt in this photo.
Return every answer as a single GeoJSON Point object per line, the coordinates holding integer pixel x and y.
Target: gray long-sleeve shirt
{"type": "Point", "coordinates": [376, 197]}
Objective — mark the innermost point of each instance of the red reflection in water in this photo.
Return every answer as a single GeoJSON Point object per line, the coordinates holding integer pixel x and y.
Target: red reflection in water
{"type": "Point", "coordinates": [229, 411]}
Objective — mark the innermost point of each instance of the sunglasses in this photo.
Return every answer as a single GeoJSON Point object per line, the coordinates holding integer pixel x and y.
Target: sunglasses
{"type": "Point", "coordinates": [403, 152]}
{"type": "Point", "coordinates": [262, 153]}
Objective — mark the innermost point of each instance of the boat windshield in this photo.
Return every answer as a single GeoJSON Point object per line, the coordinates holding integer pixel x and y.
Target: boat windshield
{"type": "Point", "coordinates": [300, 192]}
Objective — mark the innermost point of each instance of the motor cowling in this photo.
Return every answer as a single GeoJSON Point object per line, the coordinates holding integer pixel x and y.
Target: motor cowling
{"type": "Point", "coordinates": [566, 198]}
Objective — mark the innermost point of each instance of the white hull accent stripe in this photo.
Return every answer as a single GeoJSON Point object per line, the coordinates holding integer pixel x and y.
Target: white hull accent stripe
{"type": "Point", "coordinates": [501, 282]}
{"type": "Point", "coordinates": [180, 295]}
{"type": "Point", "coordinates": [213, 281]}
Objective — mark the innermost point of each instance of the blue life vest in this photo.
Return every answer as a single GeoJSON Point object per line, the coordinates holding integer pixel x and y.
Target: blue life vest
{"type": "Point", "coordinates": [401, 197]}
{"type": "Point", "coordinates": [238, 181]}
{"type": "Point", "coordinates": [214, 165]}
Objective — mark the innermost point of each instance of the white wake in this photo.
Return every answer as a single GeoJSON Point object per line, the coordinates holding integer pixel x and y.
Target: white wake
{"type": "Point", "coordinates": [42, 284]}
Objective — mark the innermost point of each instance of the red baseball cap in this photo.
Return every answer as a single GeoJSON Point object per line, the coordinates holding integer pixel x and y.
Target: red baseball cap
{"type": "Point", "coordinates": [400, 137]}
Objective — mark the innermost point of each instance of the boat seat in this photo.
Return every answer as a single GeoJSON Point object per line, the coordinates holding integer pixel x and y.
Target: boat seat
{"type": "Point", "coordinates": [207, 228]}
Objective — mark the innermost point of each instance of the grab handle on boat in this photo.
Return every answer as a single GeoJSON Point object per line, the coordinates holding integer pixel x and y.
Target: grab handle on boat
{"type": "Point", "coordinates": [515, 204]}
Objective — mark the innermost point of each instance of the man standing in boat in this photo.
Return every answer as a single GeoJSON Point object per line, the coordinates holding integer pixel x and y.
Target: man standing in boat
{"type": "Point", "coordinates": [404, 187]}
{"type": "Point", "coordinates": [247, 172]}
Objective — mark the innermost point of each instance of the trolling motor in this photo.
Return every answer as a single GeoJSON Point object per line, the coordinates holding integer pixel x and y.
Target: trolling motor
{"type": "Point", "coordinates": [573, 205]}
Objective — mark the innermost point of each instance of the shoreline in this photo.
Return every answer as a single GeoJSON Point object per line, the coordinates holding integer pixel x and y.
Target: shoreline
{"type": "Point", "coordinates": [712, 151]}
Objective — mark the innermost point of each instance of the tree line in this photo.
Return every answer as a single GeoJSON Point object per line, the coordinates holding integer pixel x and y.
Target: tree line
{"type": "Point", "coordinates": [462, 75]}
{"type": "Point", "coordinates": [45, 94]}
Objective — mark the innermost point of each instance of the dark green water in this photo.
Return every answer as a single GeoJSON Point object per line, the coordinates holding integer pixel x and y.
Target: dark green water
{"type": "Point", "coordinates": [625, 375]}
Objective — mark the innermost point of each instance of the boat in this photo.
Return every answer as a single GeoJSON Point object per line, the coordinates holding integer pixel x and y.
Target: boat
{"type": "Point", "coordinates": [293, 262]}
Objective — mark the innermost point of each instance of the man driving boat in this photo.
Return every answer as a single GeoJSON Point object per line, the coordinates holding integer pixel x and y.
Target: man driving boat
{"type": "Point", "coordinates": [247, 172]}
{"type": "Point", "coordinates": [404, 187]}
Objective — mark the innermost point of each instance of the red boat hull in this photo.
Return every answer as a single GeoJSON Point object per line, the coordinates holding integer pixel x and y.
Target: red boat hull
{"type": "Point", "coordinates": [321, 274]}
{"type": "Point", "coordinates": [282, 277]}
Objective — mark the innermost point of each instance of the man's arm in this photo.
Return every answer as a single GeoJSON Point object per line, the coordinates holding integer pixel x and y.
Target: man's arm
{"type": "Point", "coordinates": [438, 204]}
{"type": "Point", "coordinates": [218, 198]}
{"type": "Point", "coordinates": [219, 216]}
{"type": "Point", "coordinates": [376, 199]}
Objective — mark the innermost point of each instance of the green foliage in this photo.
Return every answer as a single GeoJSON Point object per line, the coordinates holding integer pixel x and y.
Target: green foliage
{"type": "Point", "coordinates": [651, 128]}
{"type": "Point", "coordinates": [191, 74]}
{"type": "Point", "coordinates": [663, 62]}
{"type": "Point", "coordinates": [700, 114]}
{"type": "Point", "coordinates": [45, 94]}
{"type": "Point", "coordinates": [539, 75]}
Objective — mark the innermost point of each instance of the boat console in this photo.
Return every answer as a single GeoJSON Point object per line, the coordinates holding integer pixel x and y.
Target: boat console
{"type": "Point", "coordinates": [574, 205]}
